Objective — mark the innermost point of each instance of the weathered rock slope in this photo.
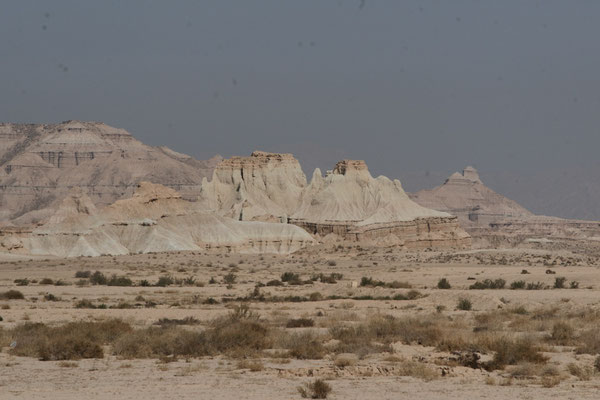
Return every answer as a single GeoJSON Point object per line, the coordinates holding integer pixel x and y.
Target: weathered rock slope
{"type": "Point", "coordinates": [39, 164]}
{"type": "Point", "coordinates": [465, 196]}
{"type": "Point", "coordinates": [347, 204]}
{"type": "Point", "coordinates": [494, 219]}
{"type": "Point", "coordinates": [154, 219]}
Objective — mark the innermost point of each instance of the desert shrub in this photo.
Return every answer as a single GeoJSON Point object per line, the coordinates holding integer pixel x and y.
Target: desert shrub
{"type": "Point", "coordinates": [51, 297]}
{"type": "Point", "coordinates": [520, 310]}
{"type": "Point", "coordinates": [83, 274]}
{"type": "Point", "coordinates": [315, 296]}
{"type": "Point", "coordinates": [574, 285]}
{"type": "Point", "coordinates": [589, 342]}
{"type": "Point", "coordinates": [21, 282]}
{"type": "Point", "coordinates": [411, 295]}
{"type": "Point", "coordinates": [369, 281]}
{"type": "Point", "coordinates": [464, 304]}
{"type": "Point", "coordinates": [46, 281]}
{"type": "Point", "coordinates": [300, 323]}
{"type": "Point", "coordinates": [376, 334]}
{"type": "Point", "coordinates": [160, 342]}
{"type": "Point", "coordinates": [72, 341]}
{"type": "Point", "coordinates": [85, 303]}
{"type": "Point", "coordinates": [230, 278]}
{"type": "Point", "coordinates": [210, 301]}
{"type": "Point", "coordinates": [364, 281]}
{"type": "Point", "coordinates": [182, 321]}
{"type": "Point", "coordinates": [289, 277]}
{"type": "Point", "coordinates": [239, 338]}
{"type": "Point", "coordinates": [489, 284]}
{"type": "Point", "coordinates": [190, 281]}
{"type": "Point", "coordinates": [518, 285]}
{"type": "Point", "coordinates": [514, 351]}
{"type": "Point", "coordinates": [597, 364]}
{"type": "Point", "coordinates": [275, 282]}
{"type": "Point", "coordinates": [98, 278]}
{"type": "Point", "coordinates": [165, 281]}
{"type": "Point", "coordinates": [318, 389]}
{"type": "Point", "coordinates": [535, 286]}
{"type": "Point", "coordinates": [562, 333]}
{"type": "Point", "coordinates": [559, 282]}
{"type": "Point", "coordinates": [581, 372]}
{"type": "Point", "coordinates": [119, 281]}
{"type": "Point", "coordinates": [331, 278]}
{"type": "Point", "coordinates": [399, 285]}
{"type": "Point", "coordinates": [11, 295]}
{"type": "Point", "coordinates": [444, 284]}
{"type": "Point", "coordinates": [417, 370]}
{"type": "Point", "coordinates": [304, 346]}
{"type": "Point", "coordinates": [332, 263]}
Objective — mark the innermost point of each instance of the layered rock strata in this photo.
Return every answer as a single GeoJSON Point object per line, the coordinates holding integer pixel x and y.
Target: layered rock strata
{"type": "Point", "coordinates": [40, 164]}
{"type": "Point", "coordinates": [494, 220]}
{"type": "Point", "coordinates": [349, 203]}
{"type": "Point", "coordinates": [262, 187]}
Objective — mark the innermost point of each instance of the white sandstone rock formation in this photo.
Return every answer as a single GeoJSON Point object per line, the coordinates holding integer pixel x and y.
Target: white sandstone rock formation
{"type": "Point", "coordinates": [155, 219]}
{"type": "Point", "coordinates": [352, 204]}
{"type": "Point", "coordinates": [347, 204]}
{"type": "Point", "coordinates": [262, 187]}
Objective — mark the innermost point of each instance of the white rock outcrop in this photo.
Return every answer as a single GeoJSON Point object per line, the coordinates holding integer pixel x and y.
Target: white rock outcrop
{"type": "Point", "coordinates": [155, 219]}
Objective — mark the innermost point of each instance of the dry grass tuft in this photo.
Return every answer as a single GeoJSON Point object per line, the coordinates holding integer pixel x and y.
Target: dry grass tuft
{"type": "Point", "coordinates": [319, 389]}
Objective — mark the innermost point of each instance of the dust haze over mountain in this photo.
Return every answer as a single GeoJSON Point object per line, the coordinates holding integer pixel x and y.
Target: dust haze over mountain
{"type": "Point", "coordinates": [510, 87]}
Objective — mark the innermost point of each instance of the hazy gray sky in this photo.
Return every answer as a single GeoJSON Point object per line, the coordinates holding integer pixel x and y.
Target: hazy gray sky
{"type": "Point", "coordinates": [405, 85]}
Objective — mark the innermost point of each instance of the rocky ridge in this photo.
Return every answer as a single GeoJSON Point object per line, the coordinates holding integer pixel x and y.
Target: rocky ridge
{"type": "Point", "coordinates": [494, 220]}
{"type": "Point", "coordinates": [346, 204]}
{"type": "Point", "coordinates": [41, 163]}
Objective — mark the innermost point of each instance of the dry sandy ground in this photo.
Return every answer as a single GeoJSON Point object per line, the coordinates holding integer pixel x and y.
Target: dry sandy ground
{"type": "Point", "coordinates": [374, 377]}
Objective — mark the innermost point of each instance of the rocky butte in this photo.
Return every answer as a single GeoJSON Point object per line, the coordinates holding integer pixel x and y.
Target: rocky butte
{"type": "Point", "coordinates": [262, 187]}
{"type": "Point", "coordinates": [347, 204]}
{"type": "Point", "coordinates": [41, 163]}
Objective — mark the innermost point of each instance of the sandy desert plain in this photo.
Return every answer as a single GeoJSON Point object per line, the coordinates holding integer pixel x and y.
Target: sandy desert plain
{"type": "Point", "coordinates": [369, 322]}
{"type": "Point", "coordinates": [126, 273]}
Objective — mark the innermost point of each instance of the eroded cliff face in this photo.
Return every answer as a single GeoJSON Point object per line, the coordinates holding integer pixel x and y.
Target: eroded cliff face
{"type": "Point", "coordinates": [262, 187]}
{"type": "Point", "coordinates": [39, 164]}
{"type": "Point", "coordinates": [350, 204]}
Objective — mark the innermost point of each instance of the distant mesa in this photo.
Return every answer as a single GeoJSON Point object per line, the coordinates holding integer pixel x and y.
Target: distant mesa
{"type": "Point", "coordinates": [464, 195]}
{"type": "Point", "coordinates": [494, 220]}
